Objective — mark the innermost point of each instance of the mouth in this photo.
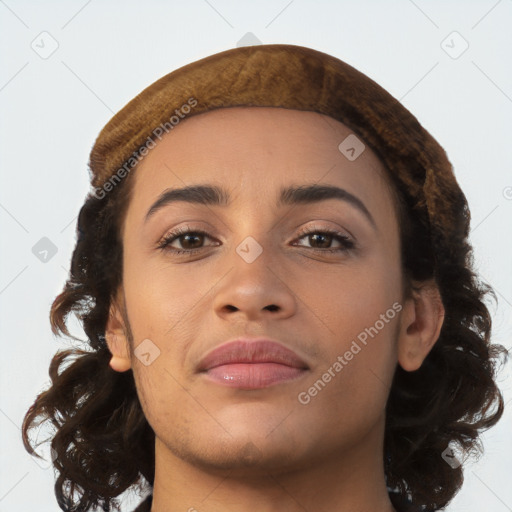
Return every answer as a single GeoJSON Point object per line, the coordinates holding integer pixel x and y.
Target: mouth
{"type": "Point", "coordinates": [252, 364]}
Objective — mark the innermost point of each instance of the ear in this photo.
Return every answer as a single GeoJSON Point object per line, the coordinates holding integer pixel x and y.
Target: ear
{"type": "Point", "coordinates": [117, 340]}
{"type": "Point", "coordinates": [420, 325]}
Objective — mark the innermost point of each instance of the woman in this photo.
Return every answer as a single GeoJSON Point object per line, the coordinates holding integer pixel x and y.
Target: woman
{"type": "Point", "coordinates": [274, 276]}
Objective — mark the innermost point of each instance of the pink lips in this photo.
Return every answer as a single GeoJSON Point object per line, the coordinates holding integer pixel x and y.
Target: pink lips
{"type": "Point", "coordinates": [251, 364]}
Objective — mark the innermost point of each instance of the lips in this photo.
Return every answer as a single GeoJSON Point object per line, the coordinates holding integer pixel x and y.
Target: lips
{"type": "Point", "coordinates": [252, 364]}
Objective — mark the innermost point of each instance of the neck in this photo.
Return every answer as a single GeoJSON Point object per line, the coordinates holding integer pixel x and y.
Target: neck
{"type": "Point", "coordinates": [352, 480]}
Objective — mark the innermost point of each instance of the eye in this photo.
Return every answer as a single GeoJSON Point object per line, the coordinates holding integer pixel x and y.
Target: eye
{"type": "Point", "coordinates": [325, 237]}
{"type": "Point", "coordinates": [190, 240]}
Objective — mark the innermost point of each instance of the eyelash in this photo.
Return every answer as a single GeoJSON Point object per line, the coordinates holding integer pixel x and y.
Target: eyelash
{"type": "Point", "coordinates": [345, 241]}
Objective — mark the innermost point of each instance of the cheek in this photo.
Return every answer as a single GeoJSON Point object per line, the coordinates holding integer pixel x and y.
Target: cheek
{"type": "Point", "coordinates": [352, 297]}
{"type": "Point", "coordinates": [361, 307]}
{"type": "Point", "coordinates": [348, 391]}
{"type": "Point", "coordinates": [160, 395]}
{"type": "Point", "coordinates": [160, 296]}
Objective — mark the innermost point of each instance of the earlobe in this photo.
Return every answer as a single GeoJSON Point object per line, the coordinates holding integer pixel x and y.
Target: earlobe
{"type": "Point", "coordinates": [120, 362]}
{"type": "Point", "coordinates": [117, 341]}
{"type": "Point", "coordinates": [119, 365]}
{"type": "Point", "coordinates": [420, 326]}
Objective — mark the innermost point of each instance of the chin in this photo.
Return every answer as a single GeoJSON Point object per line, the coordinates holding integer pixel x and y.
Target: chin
{"type": "Point", "coordinates": [249, 447]}
{"type": "Point", "coordinates": [248, 458]}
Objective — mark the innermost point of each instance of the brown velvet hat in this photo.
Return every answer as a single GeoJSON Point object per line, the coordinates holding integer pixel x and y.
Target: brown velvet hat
{"type": "Point", "coordinates": [293, 77]}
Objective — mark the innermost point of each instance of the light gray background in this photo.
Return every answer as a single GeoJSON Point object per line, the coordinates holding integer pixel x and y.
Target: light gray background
{"type": "Point", "coordinates": [53, 108]}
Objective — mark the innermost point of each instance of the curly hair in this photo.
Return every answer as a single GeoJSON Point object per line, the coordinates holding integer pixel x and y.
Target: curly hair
{"type": "Point", "coordinates": [103, 442]}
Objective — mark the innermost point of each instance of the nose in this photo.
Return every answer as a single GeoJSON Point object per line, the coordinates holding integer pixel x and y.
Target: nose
{"type": "Point", "coordinates": [256, 290]}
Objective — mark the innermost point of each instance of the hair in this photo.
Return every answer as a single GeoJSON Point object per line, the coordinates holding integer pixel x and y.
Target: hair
{"type": "Point", "coordinates": [103, 444]}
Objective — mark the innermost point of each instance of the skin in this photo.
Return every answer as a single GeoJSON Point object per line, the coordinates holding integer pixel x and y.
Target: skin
{"type": "Point", "coordinates": [220, 448]}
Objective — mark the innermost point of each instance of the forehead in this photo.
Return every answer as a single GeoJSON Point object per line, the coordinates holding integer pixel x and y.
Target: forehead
{"type": "Point", "coordinates": [255, 151]}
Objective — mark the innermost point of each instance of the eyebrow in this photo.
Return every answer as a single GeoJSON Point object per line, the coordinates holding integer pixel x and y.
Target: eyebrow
{"type": "Point", "coordinates": [293, 195]}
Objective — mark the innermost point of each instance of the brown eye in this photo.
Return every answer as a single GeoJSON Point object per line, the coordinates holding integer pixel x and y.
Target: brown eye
{"type": "Point", "coordinates": [321, 240]}
{"type": "Point", "coordinates": [190, 241]}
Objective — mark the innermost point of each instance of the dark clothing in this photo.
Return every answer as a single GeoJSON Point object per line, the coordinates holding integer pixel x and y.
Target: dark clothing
{"type": "Point", "coordinates": [145, 506]}
{"type": "Point", "coordinates": [399, 504]}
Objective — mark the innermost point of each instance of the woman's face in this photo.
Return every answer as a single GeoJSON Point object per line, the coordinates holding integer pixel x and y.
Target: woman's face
{"type": "Point", "coordinates": [268, 267]}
